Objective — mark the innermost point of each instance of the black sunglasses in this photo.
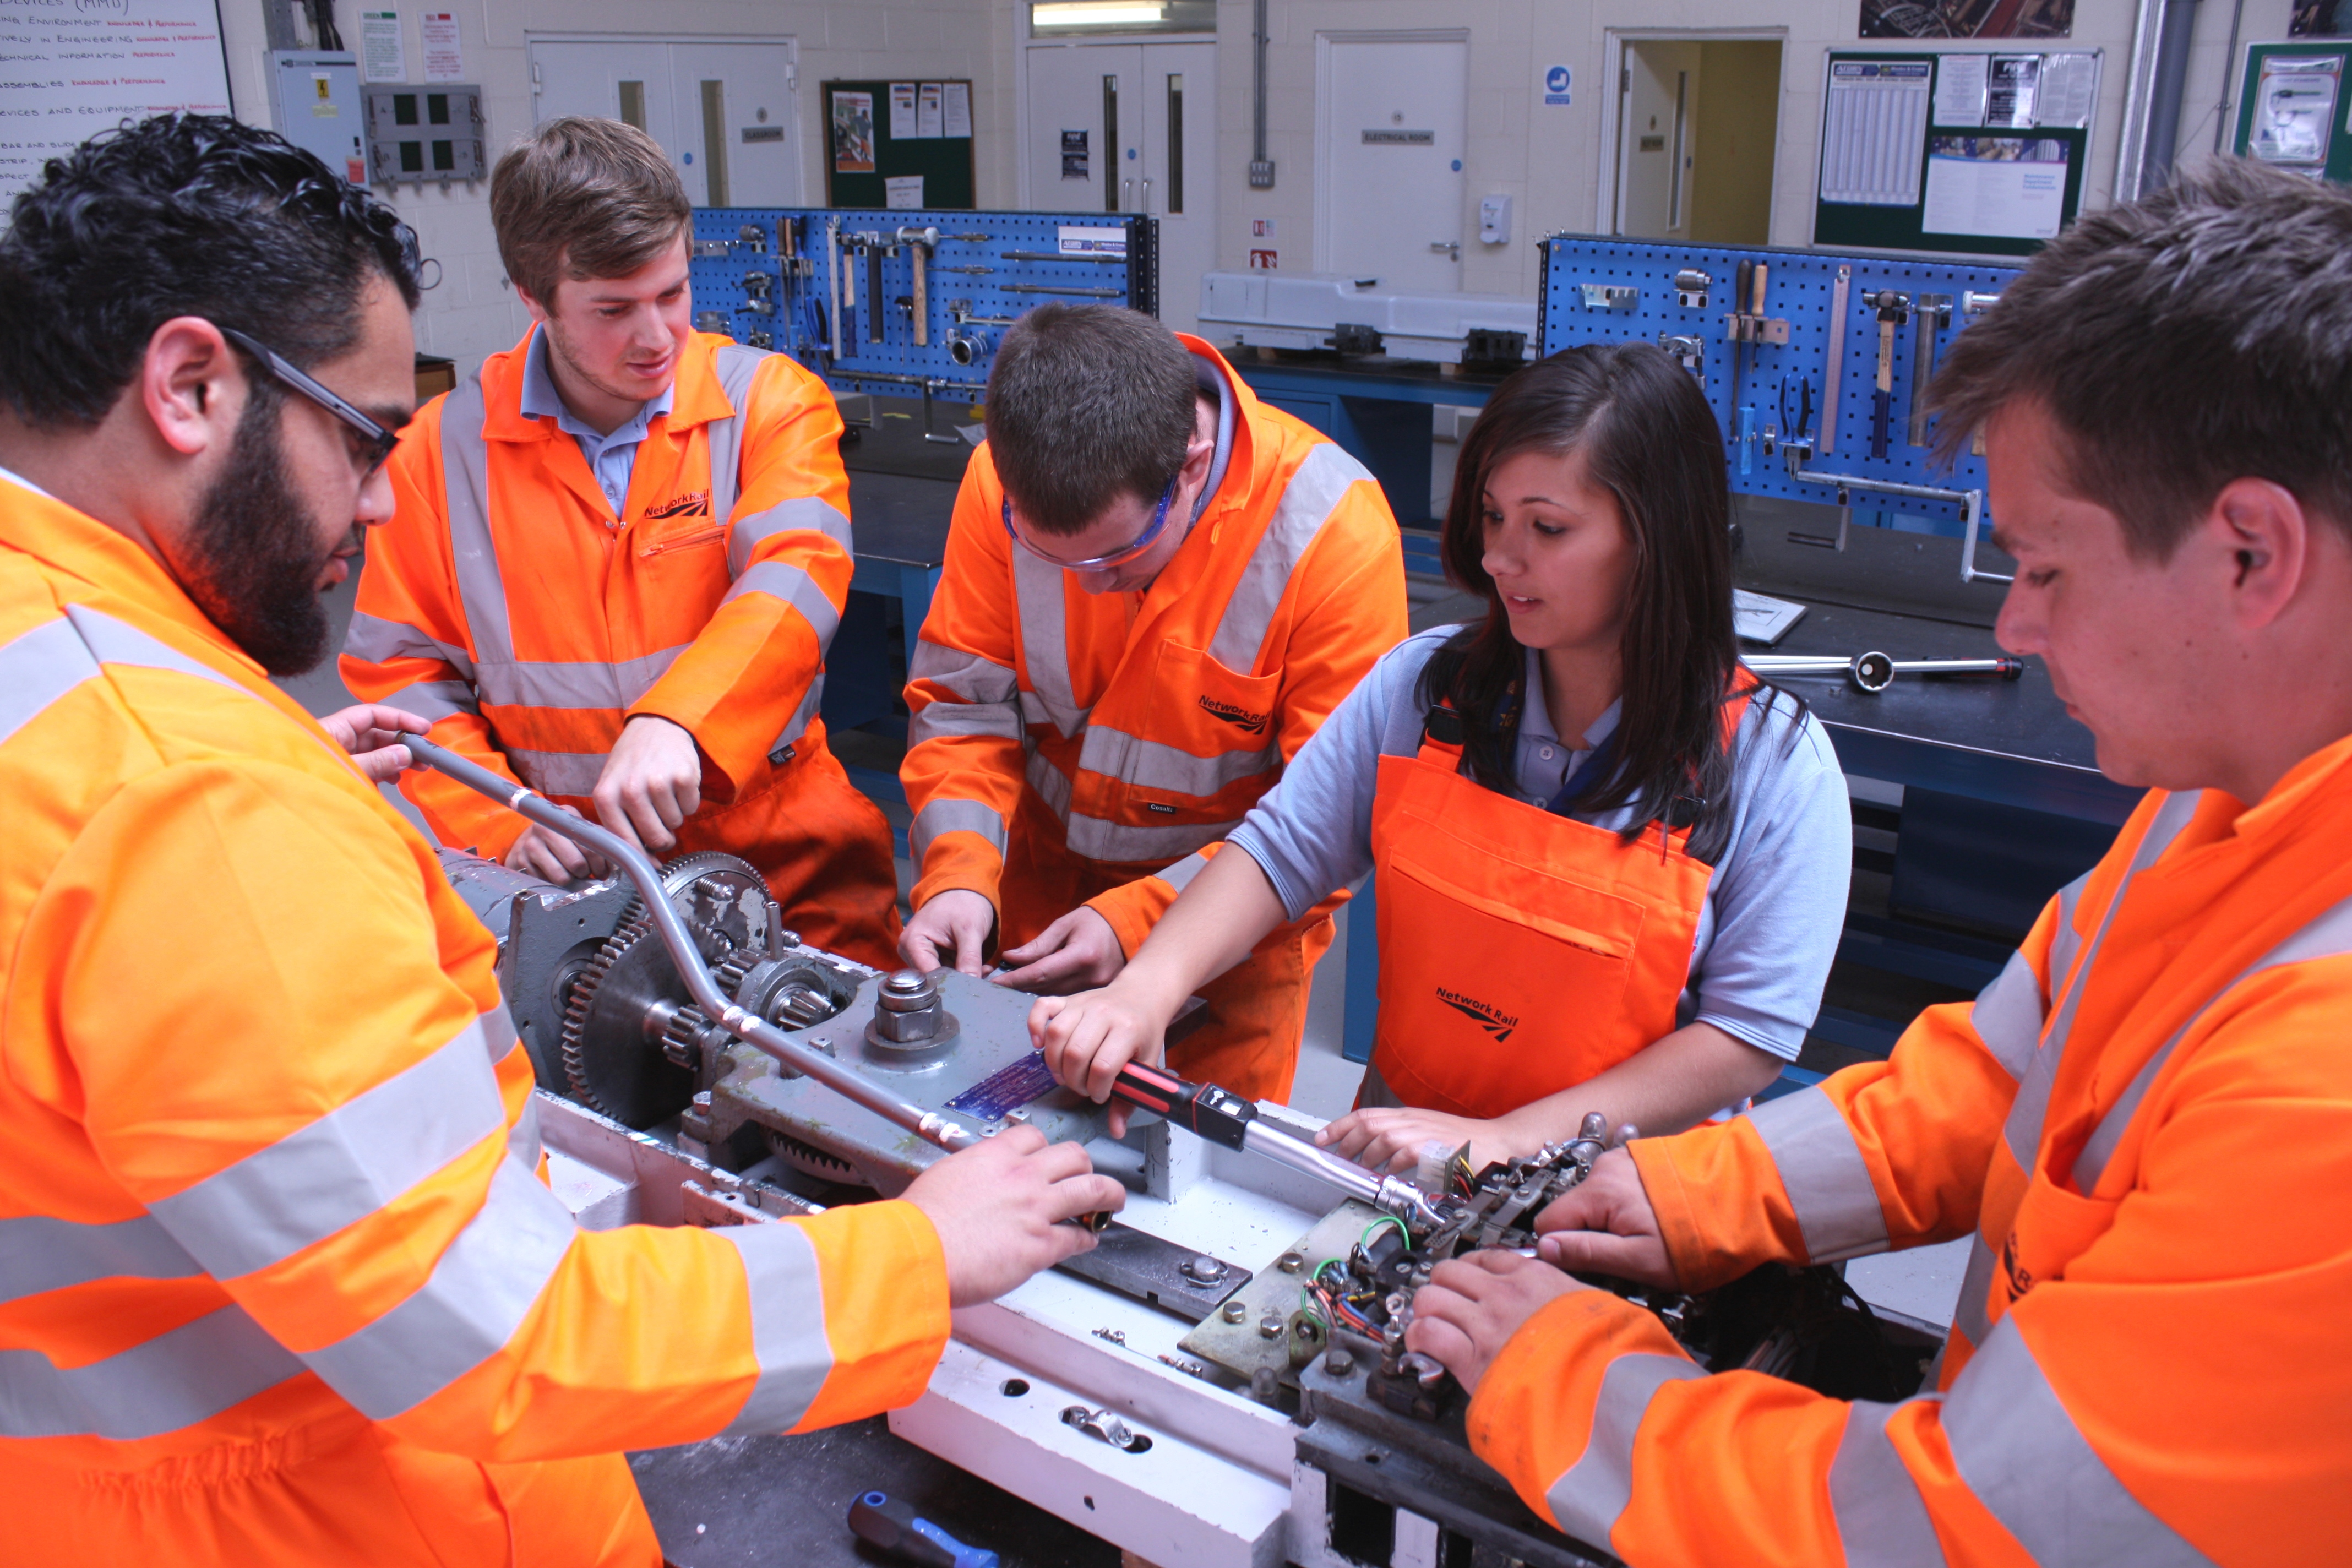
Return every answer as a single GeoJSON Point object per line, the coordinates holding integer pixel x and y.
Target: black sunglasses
{"type": "Point", "coordinates": [380, 441]}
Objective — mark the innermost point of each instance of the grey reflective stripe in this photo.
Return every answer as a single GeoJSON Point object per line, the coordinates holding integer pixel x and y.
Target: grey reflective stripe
{"type": "Point", "coordinates": [2065, 942]}
{"type": "Point", "coordinates": [1881, 1519]}
{"type": "Point", "coordinates": [40, 1253]}
{"type": "Point", "coordinates": [940, 718]}
{"type": "Point", "coordinates": [1099, 840]}
{"type": "Point", "coordinates": [796, 588]}
{"type": "Point", "coordinates": [1971, 1313]}
{"type": "Point", "coordinates": [433, 700]}
{"type": "Point", "coordinates": [1591, 1493]}
{"type": "Point", "coordinates": [365, 1153]}
{"type": "Point", "coordinates": [1037, 591]}
{"type": "Point", "coordinates": [2328, 936]}
{"type": "Point", "coordinates": [2008, 1016]}
{"type": "Point", "coordinates": [2027, 1462]}
{"type": "Point", "coordinates": [1313, 491]}
{"type": "Point", "coordinates": [963, 675]}
{"type": "Point", "coordinates": [2022, 1132]}
{"type": "Point", "coordinates": [465, 497]}
{"type": "Point", "coordinates": [953, 816]}
{"type": "Point", "coordinates": [1180, 875]}
{"type": "Point", "coordinates": [801, 512]}
{"type": "Point", "coordinates": [559, 773]}
{"type": "Point", "coordinates": [189, 1374]}
{"type": "Point", "coordinates": [735, 365]}
{"type": "Point", "coordinates": [38, 667]}
{"type": "Point", "coordinates": [375, 639]}
{"type": "Point", "coordinates": [485, 1284]}
{"type": "Point", "coordinates": [1827, 1179]}
{"type": "Point", "coordinates": [1053, 786]}
{"type": "Point", "coordinates": [556, 683]}
{"type": "Point", "coordinates": [1132, 760]}
{"type": "Point", "coordinates": [522, 1138]}
{"type": "Point", "coordinates": [788, 1333]}
{"type": "Point", "coordinates": [119, 642]}
{"type": "Point", "coordinates": [797, 725]}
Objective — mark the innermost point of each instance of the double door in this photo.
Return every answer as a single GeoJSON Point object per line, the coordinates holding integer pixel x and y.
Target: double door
{"type": "Point", "coordinates": [1122, 129]}
{"type": "Point", "coordinates": [727, 113]}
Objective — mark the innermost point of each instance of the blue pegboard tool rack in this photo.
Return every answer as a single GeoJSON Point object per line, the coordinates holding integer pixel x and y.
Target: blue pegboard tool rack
{"type": "Point", "coordinates": [1801, 285]}
{"type": "Point", "coordinates": [1010, 263]}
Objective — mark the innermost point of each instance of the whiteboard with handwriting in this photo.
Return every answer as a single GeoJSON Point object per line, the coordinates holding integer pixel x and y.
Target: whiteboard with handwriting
{"type": "Point", "coordinates": [71, 68]}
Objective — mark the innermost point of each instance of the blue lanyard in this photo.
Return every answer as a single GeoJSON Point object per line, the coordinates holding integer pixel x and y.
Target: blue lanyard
{"type": "Point", "coordinates": [1598, 764]}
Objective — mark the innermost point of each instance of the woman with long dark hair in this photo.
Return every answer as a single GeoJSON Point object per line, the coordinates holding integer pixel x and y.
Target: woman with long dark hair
{"type": "Point", "coordinates": [1610, 866]}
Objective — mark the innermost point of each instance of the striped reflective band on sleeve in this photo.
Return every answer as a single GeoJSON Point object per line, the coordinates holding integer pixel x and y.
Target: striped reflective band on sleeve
{"type": "Point", "coordinates": [1037, 606]}
{"type": "Point", "coordinates": [2008, 1016]}
{"type": "Point", "coordinates": [486, 1282]}
{"type": "Point", "coordinates": [40, 1253]}
{"type": "Point", "coordinates": [794, 587]}
{"type": "Point", "coordinates": [940, 719]}
{"type": "Point", "coordinates": [953, 816]}
{"type": "Point", "coordinates": [1881, 1519]}
{"type": "Point", "coordinates": [736, 366]}
{"type": "Point", "coordinates": [1117, 755]}
{"type": "Point", "coordinates": [2329, 936]}
{"type": "Point", "coordinates": [1099, 840]}
{"type": "Point", "coordinates": [801, 513]}
{"type": "Point", "coordinates": [1968, 1312]}
{"type": "Point", "coordinates": [1052, 786]}
{"type": "Point", "coordinates": [1180, 875]}
{"type": "Point", "coordinates": [2029, 1463]}
{"type": "Point", "coordinates": [375, 640]}
{"type": "Point", "coordinates": [1827, 1180]}
{"type": "Point", "coordinates": [967, 676]}
{"type": "Point", "coordinates": [788, 1333]}
{"type": "Point", "coordinates": [557, 772]}
{"type": "Point", "coordinates": [175, 1380]}
{"type": "Point", "coordinates": [1590, 1494]}
{"type": "Point", "coordinates": [1309, 498]}
{"type": "Point", "coordinates": [38, 667]}
{"type": "Point", "coordinates": [364, 1154]}
{"type": "Point", "coordinates": [433, 700]}
{"type": "Point", "coordinates": [2022, 1132]}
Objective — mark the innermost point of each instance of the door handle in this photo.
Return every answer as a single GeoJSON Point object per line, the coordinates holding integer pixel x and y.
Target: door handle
{"type": "Point", "coordinates": [1125, 186]}
{"type": "Point", "coordinates": [1147, 195]}
{"type": "Point", "coordinates": [1451, 247]}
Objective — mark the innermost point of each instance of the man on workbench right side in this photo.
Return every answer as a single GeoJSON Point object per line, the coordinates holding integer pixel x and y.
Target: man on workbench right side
{"type": "Point", "coordinates": [1156, 589]}
{"type": "Point", "coordinates": [2146, 1121]}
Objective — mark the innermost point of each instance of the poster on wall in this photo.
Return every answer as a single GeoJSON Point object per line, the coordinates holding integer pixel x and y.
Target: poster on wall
{"type": "Point", "coordinates": [1996, 187]}
{"type": "Point", "coordinates": [76, 70]}
{"type": "Point", "coordinates": [2320, 19]}
{"type": "Point", "coordinates": [2295, 109]}
{"type": "Point", "coordinates": [853, 133]}
{"type": "Point", "coordinates": [1073, 155]}
{"type": "Point", "coordinates": [1972, 18]}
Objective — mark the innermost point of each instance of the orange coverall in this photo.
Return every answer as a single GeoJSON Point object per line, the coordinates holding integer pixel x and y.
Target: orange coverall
{"type": "Point", "coordinates": [280, 1283]}
{"type": "Point", "coordinates": [1069, 748]}
{"type": "Point", "coordinates": [2145, 1122]}
{"type": "Point", "coordinates": [507, 605]}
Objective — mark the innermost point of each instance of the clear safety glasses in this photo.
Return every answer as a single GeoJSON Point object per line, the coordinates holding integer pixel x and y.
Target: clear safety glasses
{"type": "Point", "coordinates": [379, 441]}
{"type": "Point", "coordinates": [1124, 553]}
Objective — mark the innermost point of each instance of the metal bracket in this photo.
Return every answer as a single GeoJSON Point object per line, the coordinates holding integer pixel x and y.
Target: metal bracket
{"type": "Point", "coordinates": [1610, 295]}
{"type": "Point", "coordinates": [1178, 1280]}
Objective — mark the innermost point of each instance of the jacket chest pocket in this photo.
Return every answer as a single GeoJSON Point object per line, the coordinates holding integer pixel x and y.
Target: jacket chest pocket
{"type": "Point", "coordinates": [1201, 748]}
{"type": "Point", "coordinates": [2052, 1228]}
{"type": "Point", "coordinates": [668, 534]}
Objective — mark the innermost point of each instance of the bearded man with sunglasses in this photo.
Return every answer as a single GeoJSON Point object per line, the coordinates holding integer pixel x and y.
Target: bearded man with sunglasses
{"type": "Point", "coordinates": [1156, 589]}
{"type": "Point", "coordinates": [620, 555]}
{"type": "Point", "coordinates": [281, 1283]}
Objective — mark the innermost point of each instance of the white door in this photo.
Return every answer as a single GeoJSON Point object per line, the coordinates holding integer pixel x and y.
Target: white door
{"type": "Point", "coordinates": [1131, 128]}
{"type": "Point", "coordinates": [1658, 100]}
{"type": "Point", "coordinates": [1389, 193]}
{"type": "Point", "coordinates": [727, 113]}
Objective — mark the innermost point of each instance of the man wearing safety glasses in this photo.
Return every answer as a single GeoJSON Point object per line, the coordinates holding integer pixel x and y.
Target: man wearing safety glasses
{"type": "Point", "coordinates": [1156, 589]}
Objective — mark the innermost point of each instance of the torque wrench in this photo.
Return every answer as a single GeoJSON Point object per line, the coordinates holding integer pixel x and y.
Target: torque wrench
{"type": "Point", "coordinates": [1875, 672]}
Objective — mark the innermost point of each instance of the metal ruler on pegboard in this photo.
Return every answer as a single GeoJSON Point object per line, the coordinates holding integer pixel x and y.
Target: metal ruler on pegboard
{"type": "Point", "coordinates": [1825, 323]}
{"type": "Point", "coordinates": [837, 287]}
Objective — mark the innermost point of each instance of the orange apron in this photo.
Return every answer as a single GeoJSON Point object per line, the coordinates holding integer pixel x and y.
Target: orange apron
{"type": "Point", "coordinates": [1522, 952]}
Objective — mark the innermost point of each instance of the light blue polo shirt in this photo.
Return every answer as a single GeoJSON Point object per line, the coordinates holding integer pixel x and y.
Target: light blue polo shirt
{"type": "Point", "coordinates": [612, 459]}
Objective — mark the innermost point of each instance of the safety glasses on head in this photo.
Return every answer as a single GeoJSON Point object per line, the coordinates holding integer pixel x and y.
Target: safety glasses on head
{"type": "Point", "coordinates": [1143, 542]}
{"type": "Point", "coordinates": [379, 441]}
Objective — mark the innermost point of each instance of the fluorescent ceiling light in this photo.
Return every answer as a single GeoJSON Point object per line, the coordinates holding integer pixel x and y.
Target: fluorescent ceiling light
{"type": "Point", "coordinates": [1097, 13]}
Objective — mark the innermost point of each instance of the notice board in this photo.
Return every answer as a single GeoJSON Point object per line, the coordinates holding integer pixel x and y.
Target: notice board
{"type": "Point", "coordinates": [73, 70]}
{"type": "Point", "coordinates": [2293, 110]}
{"type": "Point", "coordinates": [1976, 153]}
{"type": "Point", "coordinates": [898, 144]}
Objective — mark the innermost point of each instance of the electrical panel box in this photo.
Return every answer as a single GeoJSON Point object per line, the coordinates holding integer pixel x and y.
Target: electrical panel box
{"type": "Point", "coordinates": [314, 101]}
{"type": "Point", "coordinates": [420, 134]}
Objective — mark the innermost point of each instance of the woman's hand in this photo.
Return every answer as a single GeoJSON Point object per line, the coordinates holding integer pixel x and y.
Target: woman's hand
{"type": "Point", "coordinates": [1390, 1137]}
{"type": "Point", "coordinates": [1088, 1038]}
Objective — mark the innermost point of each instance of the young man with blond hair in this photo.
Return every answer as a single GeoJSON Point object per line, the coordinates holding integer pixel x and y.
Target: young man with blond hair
{"type": "Point", "coordinates": [619, 555]}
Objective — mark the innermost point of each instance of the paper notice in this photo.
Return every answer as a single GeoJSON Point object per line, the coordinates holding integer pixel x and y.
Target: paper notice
{"type": "Point", "coordinates": [444, 55]}
{"type": "Point", "coordinates": [2070, 89]}
{"type": "Point", "coordinates": [905, 191]}
{"type": "Point", "coordinates": [958, 104]}
{"type": "Point", "coordinates": [1960, 81]}
{"type": "Point", "coordinates": [927, 110]}
{"type": "Point", "coordinates": [1873, 132]}
{"type": "Point", "coordinates": [1995, 187]}
{"type": "Point", "coordinates": [2009, 94]}
{"type": "Point", "coordinates": [902, 112]}
{"type": "Point", "coordinates": [381, 58]}
{"type": "Point", "coordinates": [2295, 107]}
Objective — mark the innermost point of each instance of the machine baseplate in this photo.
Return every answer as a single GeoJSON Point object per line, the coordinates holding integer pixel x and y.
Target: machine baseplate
{"type": "Point", "coordinates": [1241, 1347]}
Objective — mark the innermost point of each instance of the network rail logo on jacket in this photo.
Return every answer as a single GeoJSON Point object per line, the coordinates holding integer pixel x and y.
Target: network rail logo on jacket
{"type": "Point", "coordinates": [1494, 1020]}
{"type": "Point", "coordinates": [696, 504]}
{"type": "Point", "coordinates": [1241, 718]}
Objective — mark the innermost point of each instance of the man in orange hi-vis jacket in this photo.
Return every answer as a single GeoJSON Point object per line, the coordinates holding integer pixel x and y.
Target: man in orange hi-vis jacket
{"type": "Point", "coordinates": [619, 555]}
{"type": "Point", "coordinates": [280, 1283]}
{"type": "Point", "coordinates": [2145, 1122]}
{"type": "Point", "coordinates": [1156, 589]}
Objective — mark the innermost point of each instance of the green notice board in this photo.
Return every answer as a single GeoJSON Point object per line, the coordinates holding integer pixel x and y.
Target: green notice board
{"type": "Point", "coordinates": [2292, 109]}
{"type": "Point", "coordinates": [881, 131]}
{"type": "Point", "coordinates": [1976, 153]}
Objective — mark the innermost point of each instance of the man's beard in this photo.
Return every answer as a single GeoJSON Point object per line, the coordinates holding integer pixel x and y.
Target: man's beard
{"type": "Point", "coordinates": [254, 559]}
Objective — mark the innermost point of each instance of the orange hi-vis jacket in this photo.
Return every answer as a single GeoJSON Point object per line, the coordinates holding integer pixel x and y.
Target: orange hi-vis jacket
{"type": "Point", "coordinates": [508, 605]}
{"type": "Point", "coordinates": [2147, 1122]}
{"type": "Point", "coordinates": [280, 1283]}
{"type": "Point", "coordinates": [1068, 747]}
